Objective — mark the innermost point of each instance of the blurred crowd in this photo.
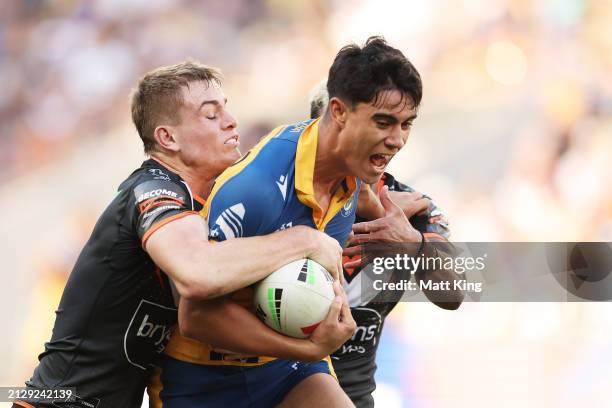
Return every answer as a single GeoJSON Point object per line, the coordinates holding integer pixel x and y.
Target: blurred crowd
{"type": "Point", "coordinates": [67, 67]}
{"type": "Point", "coordinates": [514, 138]}
{"type": "Point", "coordinates": [541, 67]}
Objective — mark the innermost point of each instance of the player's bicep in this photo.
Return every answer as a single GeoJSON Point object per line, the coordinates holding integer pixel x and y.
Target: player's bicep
{"type": "Point", "coordinates": [171, 246]}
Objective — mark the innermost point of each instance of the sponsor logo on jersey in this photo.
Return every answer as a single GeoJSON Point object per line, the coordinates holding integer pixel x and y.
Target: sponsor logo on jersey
{"type": "Point", "coordinates": [163, 208]}
{"type": "Point", "coordinates": [282, 185]}
{"type": "Point", "coordinates": [230, 221]}
{"type": "Point", "coordinates": [347, 209]}
{"type": "Point", "coordinates": [148, 333]}
{"type": "Point", "coordinates": [298, 127]}
{"type": "Point", "coordinates": [285, 226]}
{"type": "Point", "coordinates": [214, 233]}
{"type": "Point", "coordinates": [156, 332]}
{"type": "Point", "coordinates": [159, 175]}
{"type": "Point", "coordinates": [365, 339]}
{"type": "Point", "coordinates": [365, 333]}
{"type": "Point", "coordinates": [157, 193]}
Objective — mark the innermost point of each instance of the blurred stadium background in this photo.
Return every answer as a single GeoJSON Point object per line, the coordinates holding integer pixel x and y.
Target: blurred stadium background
{"type": "Point", "coordinates": [514, 142]}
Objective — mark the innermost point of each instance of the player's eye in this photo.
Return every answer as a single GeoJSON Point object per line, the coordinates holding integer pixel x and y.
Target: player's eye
{"type": "Point", "coordinates": [406, 125]}
{"type": "Point", "coordinates": [383, 125]}
{"type": "Point", "coordinates": [211, 117]}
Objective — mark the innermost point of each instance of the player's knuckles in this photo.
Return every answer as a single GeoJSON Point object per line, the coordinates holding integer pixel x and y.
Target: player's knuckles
{"type": "Point", "coordinates": [349, 328]}
{"type": "Point", "coordinates": [334, 311]}
{"type": "Point", "coordinates": [389, 222]}
{"type": "Point", "coordinates": [424, 202]}
{"type": "Point", "coordinates": [357, 240]}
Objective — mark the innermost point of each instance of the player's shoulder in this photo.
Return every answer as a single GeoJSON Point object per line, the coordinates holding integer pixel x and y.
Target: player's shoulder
{"type": "Point", "coordinates": [152, 180]}
{"type": "Point", "coordinates": [292, 132]}
{"type": "Point", "coordinates": [277, 150]}
{"type": "Point", "coordinates": [269, 162]}
{"type": "Point", "coordinates": [248, 197]}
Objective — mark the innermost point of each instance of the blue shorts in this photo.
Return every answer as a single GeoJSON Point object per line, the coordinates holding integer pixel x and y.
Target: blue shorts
{"type": "Point", "coordinates": [187, 385]}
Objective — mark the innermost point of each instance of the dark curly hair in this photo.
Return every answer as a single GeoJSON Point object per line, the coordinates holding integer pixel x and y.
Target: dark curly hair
{"type": "Point", "coordinates": [364, 74]}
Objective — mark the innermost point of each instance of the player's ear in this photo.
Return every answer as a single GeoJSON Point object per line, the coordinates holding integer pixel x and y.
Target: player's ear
{"type": "Point", "coordinates": [338, 111]}
{"type": "Point", "coordinates": [164, 137]}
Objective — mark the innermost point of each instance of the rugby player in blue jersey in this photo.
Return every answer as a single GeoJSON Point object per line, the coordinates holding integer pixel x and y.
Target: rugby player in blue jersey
{"type": "Point", "coordinates": [307, 173]}
{"type": "Point", "coordinates": [355, 361]}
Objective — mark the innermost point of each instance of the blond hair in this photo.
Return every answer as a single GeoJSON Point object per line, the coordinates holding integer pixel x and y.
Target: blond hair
{"type": "Point", "coordinates": [319, 98]}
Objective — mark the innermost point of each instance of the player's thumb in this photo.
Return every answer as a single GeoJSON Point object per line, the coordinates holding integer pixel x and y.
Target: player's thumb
{"type": "Point", "coordinates": [334, 310]}
{"type": "Point", "coordinates": [386, 201]}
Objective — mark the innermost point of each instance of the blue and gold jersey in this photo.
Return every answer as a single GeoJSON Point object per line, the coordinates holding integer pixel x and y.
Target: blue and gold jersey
{"type": "Point", "coordinates": [270, 189]}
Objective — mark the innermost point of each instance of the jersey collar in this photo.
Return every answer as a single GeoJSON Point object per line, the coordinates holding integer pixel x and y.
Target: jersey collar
{"type": "Point", "coordinates": [305, 157]}
{"type": "Point", "coordinates": [165, 166]}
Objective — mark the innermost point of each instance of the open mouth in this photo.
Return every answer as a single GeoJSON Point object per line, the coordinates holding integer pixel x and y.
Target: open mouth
{"type": "Point", "coordinates": [380, 161]}
{"type": "Point", "coordinates": [234, 140]}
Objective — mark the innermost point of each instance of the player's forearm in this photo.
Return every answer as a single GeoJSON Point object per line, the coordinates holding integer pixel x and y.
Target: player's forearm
{"type": "Point", "coordinates": [452, 297]}
{"type": "Point", "coordinates": [202, 270]}
{"type": "Point", "coordinates": [226, 325]}
{"type": "Point", "coordinates": [449, 299]}
{"type": "Point", "coordinates": [230, 265]}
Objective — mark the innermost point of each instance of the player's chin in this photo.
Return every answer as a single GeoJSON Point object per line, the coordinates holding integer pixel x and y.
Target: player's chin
{"type": "Point", "coordinates": [232, 154]}
{"type": "Point", "coordinates": [371, 174]}
{"type": "Point", "coordinates": [225, 160]}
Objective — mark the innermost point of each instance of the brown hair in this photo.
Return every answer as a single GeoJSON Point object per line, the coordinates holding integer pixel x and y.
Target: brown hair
{"type": "Point", "coordinates": [158, 96]}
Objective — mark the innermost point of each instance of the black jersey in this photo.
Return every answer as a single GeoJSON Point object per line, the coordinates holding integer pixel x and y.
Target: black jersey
{"type": "Point", "coordinates": [117, 309]}
{"type": "Point", "coordinates": [355, 361]}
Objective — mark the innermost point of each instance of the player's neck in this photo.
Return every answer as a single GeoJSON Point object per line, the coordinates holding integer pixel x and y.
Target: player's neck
{"type": "Point", "coordinates": [198, 180]}
{"type": "Point", "coordinates": [329, 171]}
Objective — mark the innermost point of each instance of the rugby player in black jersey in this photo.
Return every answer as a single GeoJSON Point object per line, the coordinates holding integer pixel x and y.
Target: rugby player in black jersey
{"type": "Point", "coordinates": [150, 245]}
{"type": "Point", "coordinates": [355, 361]}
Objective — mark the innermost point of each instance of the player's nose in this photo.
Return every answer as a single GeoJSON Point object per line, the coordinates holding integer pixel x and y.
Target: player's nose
{"type": "Point", "coordinates": [229, 122]}
{"type": "Point", "coordinates": [395, 140]}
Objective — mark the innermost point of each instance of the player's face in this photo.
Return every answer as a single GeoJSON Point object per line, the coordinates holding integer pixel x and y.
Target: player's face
{"type": "Point", "coordinates": [374, 134]}
{"type": "Point", "coordinates": [207, 133]}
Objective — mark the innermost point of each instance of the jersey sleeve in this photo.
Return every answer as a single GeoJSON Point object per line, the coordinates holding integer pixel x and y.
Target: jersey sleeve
{"type": "Point", "coordinates": [246, 205]}
{"type": "Point", "coordinates": [158, 202]}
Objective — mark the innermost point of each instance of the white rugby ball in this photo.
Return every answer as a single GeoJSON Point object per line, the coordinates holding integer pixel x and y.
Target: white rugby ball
{"type": "Point", "coordinates": [294, 299]}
